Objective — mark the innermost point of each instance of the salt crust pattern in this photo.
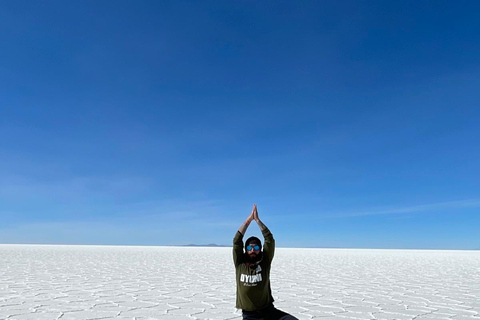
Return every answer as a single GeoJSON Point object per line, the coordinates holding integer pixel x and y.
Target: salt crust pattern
{"type": "Point", "coordinates": [140, 283]}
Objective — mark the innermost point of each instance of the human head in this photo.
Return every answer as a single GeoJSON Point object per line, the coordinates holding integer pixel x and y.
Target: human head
{"type": "Point", "coordinates": [252, 241]}
{"type": "Point", "coordinates": [253, 256]}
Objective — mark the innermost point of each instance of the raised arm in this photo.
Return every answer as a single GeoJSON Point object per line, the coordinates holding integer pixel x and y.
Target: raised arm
{"type": "Point", "coordinates": [243, 228]}
{"type": "Point", "coordinates": [269, 246]}
{"type": "Point", "coordinates": [238, 239]}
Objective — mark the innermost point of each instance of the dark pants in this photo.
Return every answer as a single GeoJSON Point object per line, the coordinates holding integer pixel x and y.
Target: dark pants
{"type": "Point", "coordinates": [269, 313]}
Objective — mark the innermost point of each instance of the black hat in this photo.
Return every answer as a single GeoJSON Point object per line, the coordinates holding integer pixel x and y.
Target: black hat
{"type": "Point", "coordinates": [253, 240]}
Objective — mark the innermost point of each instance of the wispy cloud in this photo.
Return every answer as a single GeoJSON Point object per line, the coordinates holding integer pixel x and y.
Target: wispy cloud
{"type": "Point", "coordinates": [163, 221]}
{"type": "Point", "coordinates": [173, 229]}
{"type": "Point", "coordinates": [88, 232]}
{"type": "Point", "coordinates": [437, 206]}
{"type": "Point", "coordinates": [77, 187]}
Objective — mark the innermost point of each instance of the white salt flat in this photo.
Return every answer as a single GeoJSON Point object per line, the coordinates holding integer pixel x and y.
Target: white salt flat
{"type": "Point", "coordinates": [138, 283]}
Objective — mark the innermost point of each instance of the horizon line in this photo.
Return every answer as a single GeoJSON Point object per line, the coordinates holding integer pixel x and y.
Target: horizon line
{"type": "Point", "coordinates": [227, 246]}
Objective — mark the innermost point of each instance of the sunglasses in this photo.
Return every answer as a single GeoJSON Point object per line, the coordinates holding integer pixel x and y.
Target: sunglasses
{"type": "Point", "coordinates": [250, 248]}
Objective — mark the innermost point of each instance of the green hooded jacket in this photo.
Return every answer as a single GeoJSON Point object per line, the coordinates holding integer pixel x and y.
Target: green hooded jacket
{"type": "Point", "coordinates": [253, 283]}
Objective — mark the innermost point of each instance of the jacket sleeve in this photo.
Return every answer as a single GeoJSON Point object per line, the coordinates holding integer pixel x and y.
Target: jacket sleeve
{"type": "Point", "coordinates": [269, 244]}
{"type": "Point", "coordinates": [237, 248]}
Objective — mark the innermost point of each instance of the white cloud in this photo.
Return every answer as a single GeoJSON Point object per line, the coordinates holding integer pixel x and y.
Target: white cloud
{"type": "Point", "coordinates": [15, 187]}
{"type": "Point", "coordinates": [472, 203]}
{"type": "Point", "coordinates": [165, 222]}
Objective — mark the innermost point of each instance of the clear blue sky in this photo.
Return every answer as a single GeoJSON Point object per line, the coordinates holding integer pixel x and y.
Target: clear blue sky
{"type": "Point", "coordinates": [349, 123]}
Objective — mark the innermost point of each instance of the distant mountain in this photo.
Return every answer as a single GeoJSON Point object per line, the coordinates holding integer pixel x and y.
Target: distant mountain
{"type": "Point", "coordinates": [204, 245]}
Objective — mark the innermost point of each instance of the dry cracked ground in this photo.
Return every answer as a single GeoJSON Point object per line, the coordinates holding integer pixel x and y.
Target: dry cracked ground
{"type": "Point", "coordinates": [140, 283]}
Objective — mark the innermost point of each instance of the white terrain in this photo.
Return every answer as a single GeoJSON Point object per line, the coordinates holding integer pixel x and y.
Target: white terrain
{"type": "Point", "coordinates": [140, 283]}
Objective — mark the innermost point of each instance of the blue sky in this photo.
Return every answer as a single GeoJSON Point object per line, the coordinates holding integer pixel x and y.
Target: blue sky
{"type": "Point", "coordinates": [349, 123]}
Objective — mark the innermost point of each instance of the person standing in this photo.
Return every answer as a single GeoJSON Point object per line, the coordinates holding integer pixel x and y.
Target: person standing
{"type": "Point", "coordinates": [252, 268]}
